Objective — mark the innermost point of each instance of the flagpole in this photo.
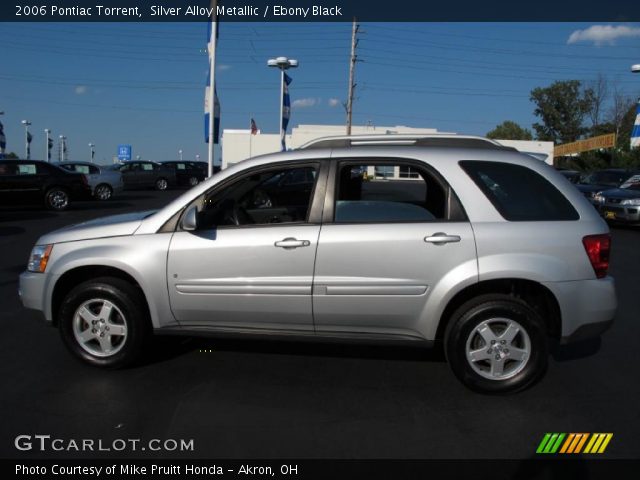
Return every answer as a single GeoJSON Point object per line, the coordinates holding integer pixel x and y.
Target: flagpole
{"type": "Point", "coordinates": [212, 82]}
{"type": "Point", "coordinates": [46, 145]}
{"type": "Point", "coordinates": [250, 134]}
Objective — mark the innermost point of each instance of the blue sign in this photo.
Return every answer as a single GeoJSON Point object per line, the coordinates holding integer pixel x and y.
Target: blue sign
{"type": "Point", "coordinates": [124, 152]}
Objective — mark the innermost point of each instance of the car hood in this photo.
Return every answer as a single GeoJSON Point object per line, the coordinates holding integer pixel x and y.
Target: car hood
{"type": "Point", "coordinates": [588, 188]}
{"type": "Point", "coordinates": [111, 226]}
{"type": "Point", "coordinates": [620, 193]}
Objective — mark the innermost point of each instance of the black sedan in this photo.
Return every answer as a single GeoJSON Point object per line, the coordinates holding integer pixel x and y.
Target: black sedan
{"type": "Point", "coordinates": [145, 174]}
{"type": "Point", "coordinates": [603, 180]}
{"type": "Point", "coordinates": [36, 182]}
{"type": "Point", "coordinates": [187, 173]}
{"type": "Point", "coordinates": [621, 205]}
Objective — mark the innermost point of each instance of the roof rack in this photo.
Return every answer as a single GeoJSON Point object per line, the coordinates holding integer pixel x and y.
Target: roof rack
{"type": "Point", "coordinates": [428, 140]}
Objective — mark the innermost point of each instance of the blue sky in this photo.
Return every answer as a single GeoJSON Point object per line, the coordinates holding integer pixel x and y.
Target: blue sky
{"type": "Point", "coordinates": [143, 83]}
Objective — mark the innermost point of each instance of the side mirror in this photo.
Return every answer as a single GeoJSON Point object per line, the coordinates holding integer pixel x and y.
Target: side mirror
{"type": "Point", "coordinates": [190, 219]}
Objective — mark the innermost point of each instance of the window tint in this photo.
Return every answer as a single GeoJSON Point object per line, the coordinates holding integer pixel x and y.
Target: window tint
{"type": "Point", "coordinates": [376, 193]}
{"type": "Point", "coordinates": [261, 198]}
{"type": "Point", "coordinates": [7, 169]}
{"type": "Point", "coordinates": [519, 193]}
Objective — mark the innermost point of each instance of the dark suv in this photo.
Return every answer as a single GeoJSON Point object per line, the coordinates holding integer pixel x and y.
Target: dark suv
{"type": "Point", "coordinates": [33, 182]}
{"type": "Point", "coordinates": [144, 174]}
{"type": "Point", "coordinates": [187, 173]}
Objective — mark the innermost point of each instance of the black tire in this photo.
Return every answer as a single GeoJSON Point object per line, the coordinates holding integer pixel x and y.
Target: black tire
{"type": "Point", "coordinates": [162, 184]}
{"type": "Point", "coordinates": [57, 199]}
{"type": "Point", "coordinates": [498, 311]}
{"type": "Point", "coordinates": [128, 310]}
{"type": "Point", "coordinates": [193, 181]}
{"type": "Point", "coordinates": [103, 192]}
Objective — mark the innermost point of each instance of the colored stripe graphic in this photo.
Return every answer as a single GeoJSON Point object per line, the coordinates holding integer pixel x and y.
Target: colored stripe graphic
{"type": "Point", "coordinates": [564, 443]}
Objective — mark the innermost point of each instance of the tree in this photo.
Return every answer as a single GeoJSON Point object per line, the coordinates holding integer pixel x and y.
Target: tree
{"type": "Point", "coordinates": [597, 93]}
{"type": "Point", "coordinates": [11, 156]}
{"type": "Point", "coordinates": [509, 130]}
{"type": "Point", "coordinates": [621, 116]}
{"type": "Point", "coordinates": [562, 107]}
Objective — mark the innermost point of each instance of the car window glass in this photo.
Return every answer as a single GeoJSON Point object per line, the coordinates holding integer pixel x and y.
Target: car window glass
{"type": "Point", "coordinates": [7, 169]}
{"type": "Point", "coordinates": [93, 170]}
{"type": "Point", "coordinates": [26, 169]}
{"type": "Point", "coordinates": [519, 193]}
{"type": "Point", "coordinates": [393, 192]}
{"type": "Point", "coordinates": [147, 166]}
{"type": "Point", "coordinates": [81, 169]}
{"type": "Point", "coordinates": [260, 199]}
{"type": "Point", "coordinates": [180, 166]}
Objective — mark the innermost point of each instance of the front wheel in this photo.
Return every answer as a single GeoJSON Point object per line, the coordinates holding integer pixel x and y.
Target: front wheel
{"type": "Point", "coordinates": [496, 344]}
{"type": "Point", "coordinates": [104, 322]}
{"type": "Point", "coordinates": [57, 199]}
{"type": "Point", "coordinates": [193, 181]}
{"type": "Point", "coordinates": [162, 184]}
{"type": "Point", "coordinates": [103, 192]}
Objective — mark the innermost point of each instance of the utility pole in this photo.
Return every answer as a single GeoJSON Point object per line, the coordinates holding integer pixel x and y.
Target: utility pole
{"type": "Point", "coordinates": [352, 68]}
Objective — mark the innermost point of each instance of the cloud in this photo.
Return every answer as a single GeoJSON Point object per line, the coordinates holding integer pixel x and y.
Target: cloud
{"type": "Point", "coordinates": [603, 34]}
{"type": "Point", "coordinates": [306, 102]}
{"type": "Point", "coordinates": [80, 89]}
{"type": "Point", "coordinates": [223, 67]}
{"type": "Point", "coordinates": [334, 102]}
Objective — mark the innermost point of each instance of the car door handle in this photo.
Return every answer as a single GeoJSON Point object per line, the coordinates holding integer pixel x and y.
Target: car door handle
{"type": "Point", "coordinates": [441, 238]}
{"type": "Point", "coordinates": [291, 242]}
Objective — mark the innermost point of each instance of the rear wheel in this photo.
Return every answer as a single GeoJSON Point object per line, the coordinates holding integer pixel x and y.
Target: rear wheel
{"type": "Point", "coordinates": [56, 198]}
{"type": "Point", "coordinates": [162, 184]}
{"type": "Point", "coordinates": [496, 343]}
{"type": "Point", "coordinates": [103, 192]}
{"type": "Point", "coordinates": [193, 181]}
{"type": "Point", "coordinates": [104, 322]}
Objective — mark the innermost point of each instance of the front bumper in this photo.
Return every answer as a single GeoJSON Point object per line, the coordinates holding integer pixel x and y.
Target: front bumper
{"type": "Point", "coordinates": [31, 289]}
{"type": "Point", "coordinates": [620, 213]}
{"type": "Point", "coordinates": [587, 307]}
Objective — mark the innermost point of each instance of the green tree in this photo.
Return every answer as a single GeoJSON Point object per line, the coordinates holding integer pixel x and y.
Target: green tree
{"type": "Point", "coordinates": [509, 130]}
{"type": "Point", "coordinates": [562, 107]}
{"type": "Point", "coordinates": [11, 156]}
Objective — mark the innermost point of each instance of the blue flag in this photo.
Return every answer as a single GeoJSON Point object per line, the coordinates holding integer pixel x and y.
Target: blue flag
{"type": "Point", "coordinates": [635, 133]}
{"type": "Point", "coordinates": [216, 102]}
{"type": "Point", "coordinates": [286, 110]}
{"type": "Point", "coordinates": [3, 140]}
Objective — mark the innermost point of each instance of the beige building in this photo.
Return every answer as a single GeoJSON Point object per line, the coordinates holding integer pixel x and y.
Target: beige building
{"type": "Point", "coordinates": [238, 145]}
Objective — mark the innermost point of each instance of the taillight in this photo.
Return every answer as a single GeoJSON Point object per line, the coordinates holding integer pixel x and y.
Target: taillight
{"type": "Point", "coordinates": [598, 248]}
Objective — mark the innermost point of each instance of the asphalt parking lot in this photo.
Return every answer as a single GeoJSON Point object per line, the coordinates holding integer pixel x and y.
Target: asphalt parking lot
{"type": "Point", "coordinates": [301, 400]}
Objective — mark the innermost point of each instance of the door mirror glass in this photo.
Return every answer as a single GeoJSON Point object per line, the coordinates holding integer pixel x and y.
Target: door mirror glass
{"type": "Point", "coordinates": [190, 219]}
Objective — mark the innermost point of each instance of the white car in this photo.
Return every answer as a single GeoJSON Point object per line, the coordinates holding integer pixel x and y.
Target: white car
{"type": "Point", "coordinates": [104, 182]}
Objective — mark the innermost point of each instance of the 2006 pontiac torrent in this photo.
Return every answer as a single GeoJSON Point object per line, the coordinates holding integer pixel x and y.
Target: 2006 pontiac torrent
{"type": "Point", "coordinates": [426, 239]}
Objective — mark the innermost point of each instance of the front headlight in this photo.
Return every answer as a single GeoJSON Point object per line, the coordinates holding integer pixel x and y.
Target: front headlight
{"type": "Point", "coordinates": [39, 258]}
{"type": "Point", "coordinates": [631, 201]}
{"type": "Point", "coordinates": [598, 198]}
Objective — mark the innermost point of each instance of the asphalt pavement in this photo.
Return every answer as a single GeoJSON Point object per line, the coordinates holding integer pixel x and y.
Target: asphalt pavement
{"type": "Point", "coordinates": [262, 399]}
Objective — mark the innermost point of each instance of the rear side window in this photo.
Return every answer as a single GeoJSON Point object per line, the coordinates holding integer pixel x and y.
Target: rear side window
{"type": "Point", "coordinates": [519, 193]}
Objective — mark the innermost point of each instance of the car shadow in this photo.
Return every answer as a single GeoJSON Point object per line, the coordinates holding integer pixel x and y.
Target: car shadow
{"type": "Point", "coordinates": [575, 351]}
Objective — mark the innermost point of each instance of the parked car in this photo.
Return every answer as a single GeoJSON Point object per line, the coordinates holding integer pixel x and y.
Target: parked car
{"type": "Point", "coordinates": [204, 166]}
{"type": "Point", "coordinates": [104, 182]}
{"type": "Point", "coordinates": [621, 205]}
{"type": "Point", "coordinates": [145, 174]}
{"type": "Point", "coordinates": [461, 254]}
{"type": "Point", "coordinates": [573, 176]}
{"type": "Point", "coordinates": [602, 180]}
{"type": "Point", "coordinates": [37, 182]}
{"type": "Point", "coordinates": [186, 173]}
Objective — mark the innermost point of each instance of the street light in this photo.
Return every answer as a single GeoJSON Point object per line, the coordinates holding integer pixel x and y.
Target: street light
{"type": "Point", "coordinates": [47, 132]}
{"type": "Point", "coordinates": [27, 153]}
{"type": "Point", "coordinates": [180, 154]}
{"type": "Point", "coordinates": [62, 147]}
{"type": "Point", "coordinates": [283, 63]}
{"type": "Point", "coordinates": [635, 68]}
{"type": "Point", "coordinates": [93, 152]}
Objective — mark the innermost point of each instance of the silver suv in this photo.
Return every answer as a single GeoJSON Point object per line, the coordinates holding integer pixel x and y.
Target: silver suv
{"type": "Point", "coordinates": [424, 239]}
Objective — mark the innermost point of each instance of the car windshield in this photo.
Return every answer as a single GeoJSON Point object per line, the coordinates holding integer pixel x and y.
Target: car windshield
{"type": "Point", "coordinates": [609, 179]}
{"type": "Point", "coordinates": [632, 183]}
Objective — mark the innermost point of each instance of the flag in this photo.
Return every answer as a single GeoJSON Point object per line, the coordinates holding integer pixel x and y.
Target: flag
{"type": "Point", "coordinates": [635, 133]}
{"type": "Point", "coordinates": [29, 138]}
{"type": "Point", "coordinates": [286, 109]}
{"type": "Point", "coordinates": [216, 102]}
{"type": "Point", "coordinates": [3, 139]}
{"type": "Point", "coordinates": [49, 147]}
{"type": "Point", "coordinates": [254, 127]}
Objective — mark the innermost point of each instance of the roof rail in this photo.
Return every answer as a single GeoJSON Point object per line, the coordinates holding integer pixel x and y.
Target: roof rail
{"type": "Point", "coordinates": [424, 140]}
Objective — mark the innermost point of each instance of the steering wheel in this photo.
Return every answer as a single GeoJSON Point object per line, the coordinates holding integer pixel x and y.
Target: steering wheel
{"type": "Point", "coordinates": [237, 215]}
{"type": "Point", "coordinates": [261, 199]}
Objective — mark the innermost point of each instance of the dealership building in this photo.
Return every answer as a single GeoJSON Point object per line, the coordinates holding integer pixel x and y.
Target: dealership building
{"type": "Point", "coordinates": [238, 145]}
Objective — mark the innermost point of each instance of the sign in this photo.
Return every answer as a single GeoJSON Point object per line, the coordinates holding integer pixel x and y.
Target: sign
{"type": "Point", "coordinates": [593, 143]}
{"type": "Point", "coordinates": [124, 152]}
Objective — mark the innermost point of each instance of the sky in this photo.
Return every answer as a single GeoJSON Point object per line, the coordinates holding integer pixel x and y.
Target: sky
{"type": "Point", "coordinates": [143, 83]}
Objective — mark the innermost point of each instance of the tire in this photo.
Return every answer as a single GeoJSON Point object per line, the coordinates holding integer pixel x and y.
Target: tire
{"type": "Point", "coordinates": [56, 199]}
{"type": "Point", "coordinates": [496, 344]}
{"type": "Point", "coordinates": [162, 184]}
{"type": "Point", "coordinates": [121, 328]}
{"type": "Point", "coordinates": [103, 192]}
{"type": "Point", "coordinates": [193, 181]}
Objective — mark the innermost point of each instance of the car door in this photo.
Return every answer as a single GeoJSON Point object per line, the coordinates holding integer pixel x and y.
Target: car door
{"type": "Point", "coordinates": [386, 242]}
{"type": "Point", "coordinates": [128, 175]}
{"type": "Point", "coordinates": [242, 268]}
{"type": "Point", "coordinates": [31, 181]}
{"type": "Point", "coordinates": [8, 174]}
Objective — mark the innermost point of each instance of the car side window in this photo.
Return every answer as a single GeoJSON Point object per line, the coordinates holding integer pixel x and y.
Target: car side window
{"type": "Point", "coordinates": [260, 198]}
{"type": "Point", "coordinates": [389, 192]}
{"type": "Point", "coordinates": [7, 169]}
{"type": "Point", "coordinates": [27, 169]}
{"type": "Point", "coordinates": [94, 170]}
{"type": "Point", "coordinates": [81, 169]}
{"type": "Point", "coordinates": [149, 167]}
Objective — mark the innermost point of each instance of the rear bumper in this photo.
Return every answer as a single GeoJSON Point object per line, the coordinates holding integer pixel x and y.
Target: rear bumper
{"type": "Point", "coordinates": [587, 307]}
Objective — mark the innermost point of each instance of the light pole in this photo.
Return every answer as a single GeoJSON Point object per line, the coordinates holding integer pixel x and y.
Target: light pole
{"type": "Point", "coordinates": [197, 158]}
{"type": "Point", "coordinates": [47, 132]}
{"type": "Point", "coordinates": [62, 147]}
{"type": "Point", "coordinates": [27, 153]}
{"type": "Point", "coordinates": [92, 150]}
{"type": "Point", "coordinates": [283, 63]}
{"type": "Point", "coordinates": [180, 154]}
